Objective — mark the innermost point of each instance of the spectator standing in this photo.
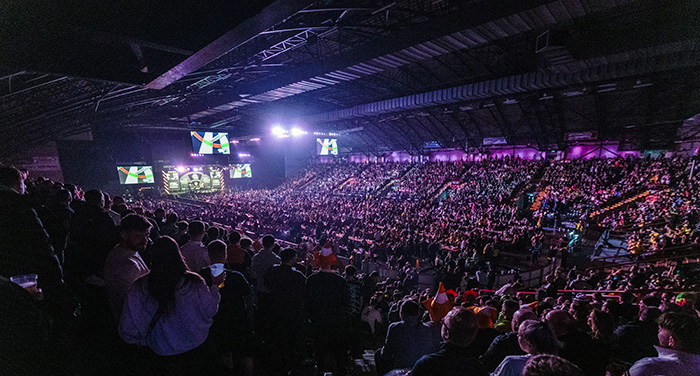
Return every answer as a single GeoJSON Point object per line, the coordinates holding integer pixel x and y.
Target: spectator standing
{"type": "Point", "coordinates": [194, 252]}
{"type": "Point", "coordinates": [286, 287]}
{"type": "Point", "coordinates": [170, 310]}
{"type": "Point", "coordinates": [92, 235]}
{"type": "Point", "coordinates": [263, 261]}
{"type": "Point", "coordinates": [124, 264]}
{"type": "Point", "coordinates": [231, 332]}
{"type": "Point", "coordinates": [24, 244]}
{"type": "Point", "coordinates": [326, 301]}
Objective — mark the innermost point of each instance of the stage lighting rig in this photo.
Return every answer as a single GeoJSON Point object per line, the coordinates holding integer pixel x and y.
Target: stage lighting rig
{"type": "Point", "coordinates": [297, 132]}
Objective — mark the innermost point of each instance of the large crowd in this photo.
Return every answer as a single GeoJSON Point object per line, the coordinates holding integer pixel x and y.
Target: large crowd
{"type": "Point", "coordinates": [194, 286]}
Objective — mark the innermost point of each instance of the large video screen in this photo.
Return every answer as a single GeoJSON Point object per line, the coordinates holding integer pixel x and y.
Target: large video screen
{"type": "Point", "coordinates": [240, 171]}
{"type": "Point", "coordinates": [135, 174]}
{"type": "Point", "coordinates": [196, 179]}
{"type": "Point", "coordinates": [327, 146]}
{"type": "Point", "coordinates": [210, 143]}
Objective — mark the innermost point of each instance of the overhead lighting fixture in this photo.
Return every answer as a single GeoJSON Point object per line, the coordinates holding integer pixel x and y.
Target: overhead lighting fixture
{"type": "Point", "coordinates": [279, 131]}
{"type": "Point", "coordinates": [510, 101]}
{"type": "Point", "coordinates": [639, 84]}
{"type": "Point", "coordinates": [466, 108]}
{"type": "Point", "coordinates": [573, 93]}
{"type": "Point", "coordinates": [255, 139]}
{"type": "Point", "coordinates": [297, 132]}
{"type": "Point", "coordinates": [234, 141]}
{"type": "Point", "coordinates": [604, 88]}
{"type": "Point", "coordinates": [546, 97]}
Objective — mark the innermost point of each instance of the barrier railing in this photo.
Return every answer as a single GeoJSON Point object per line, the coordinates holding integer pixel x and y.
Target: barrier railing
{"type": "Point", "coordinates": [666, 253]}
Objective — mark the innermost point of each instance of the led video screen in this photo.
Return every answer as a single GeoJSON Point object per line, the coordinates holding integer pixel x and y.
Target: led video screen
{"type": "Point", "coordinates": [135, 174]}
{"type": "Point", "coordinates": [327, 146]}
{"type": "Point", "coordinates": [195, 179]}
{"type": "Point", "coordinates": [239, 171]}
{"type": "Point", "coordinates": [210, 143]}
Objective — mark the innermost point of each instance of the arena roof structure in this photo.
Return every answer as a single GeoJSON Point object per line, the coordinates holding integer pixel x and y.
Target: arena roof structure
{"type": "Point", "coordinates": [389, 75]}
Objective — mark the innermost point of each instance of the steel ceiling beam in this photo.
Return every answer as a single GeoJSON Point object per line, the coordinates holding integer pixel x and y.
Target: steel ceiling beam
{"type": "Point", "coordinates": [467, 27]}
{"type": "Point", "coordinates": [270, 16]}
{"type": "Point", "coordinates": [628, 64]}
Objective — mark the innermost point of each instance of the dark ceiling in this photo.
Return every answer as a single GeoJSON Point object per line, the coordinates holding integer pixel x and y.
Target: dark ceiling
{"type": "Point", "coordinates": [393, 74]}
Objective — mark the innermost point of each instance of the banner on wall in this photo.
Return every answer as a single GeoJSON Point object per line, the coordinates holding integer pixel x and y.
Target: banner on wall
{"type": "Point", "coordinates": [494, 141]}
{"type": "Point", "coordinates": [581, 136]}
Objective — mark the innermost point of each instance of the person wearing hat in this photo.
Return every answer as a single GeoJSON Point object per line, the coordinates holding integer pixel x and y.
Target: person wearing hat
{"type": "Point", "coordinates": [439, 306]}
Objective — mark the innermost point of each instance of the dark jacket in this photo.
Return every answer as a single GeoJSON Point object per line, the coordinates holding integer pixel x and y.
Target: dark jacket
{"type": "Point", "coordinates": [580, 348]}
{"type": "Point", "coordinates": [92, 235]}
{"type": "Point", "coordinates": [408, 341]}
{"type": "Point", "coordinates": [24, 244]}
{"type": "Point", "coordinates": [450, 360]}
{"type": "Point", "coordinates": [636, 340]}
{"type": "Point", "coordinates": [286, 287]}
{"type": "Point", "coordinates": [502, 346]}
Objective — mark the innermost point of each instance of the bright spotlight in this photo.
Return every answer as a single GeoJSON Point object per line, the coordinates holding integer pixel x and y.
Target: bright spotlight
{"type": "Point", "coordinates": [180, 169]}
{"type": "Point", "coordinates": [297, 132]}
{"type": "Point", "coordinates": [279, 131]}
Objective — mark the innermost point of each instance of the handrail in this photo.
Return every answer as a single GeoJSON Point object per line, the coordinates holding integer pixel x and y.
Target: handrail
{"type": "Point", "coordinates": [631, 193]}
{"type": "Point", "coordinates": [630, 255]}
{"type": "Point", "coordinates": [609, 292]}
{"type": "Point", "coordinates": [632, 227]}
{"type": "Point", "coordinates": [649, 261]}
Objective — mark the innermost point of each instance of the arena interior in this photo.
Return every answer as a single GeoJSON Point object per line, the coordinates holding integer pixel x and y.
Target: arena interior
{"type": "Point", "coordinates": [350, 187]}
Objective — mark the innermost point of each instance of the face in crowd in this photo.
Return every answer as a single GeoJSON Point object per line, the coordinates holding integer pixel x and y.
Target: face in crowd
{"type": "Point", "coordinates": [135, 240]}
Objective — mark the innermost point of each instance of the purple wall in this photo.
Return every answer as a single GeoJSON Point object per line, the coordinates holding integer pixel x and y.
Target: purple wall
{"type": "Point", "coordinates": [586, 151]}
{"type": "Point", "coordinates": [595, 150]}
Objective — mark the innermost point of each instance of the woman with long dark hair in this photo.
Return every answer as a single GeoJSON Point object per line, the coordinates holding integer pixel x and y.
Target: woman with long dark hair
{"type": "Point", "coordinates": [170, 311]}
